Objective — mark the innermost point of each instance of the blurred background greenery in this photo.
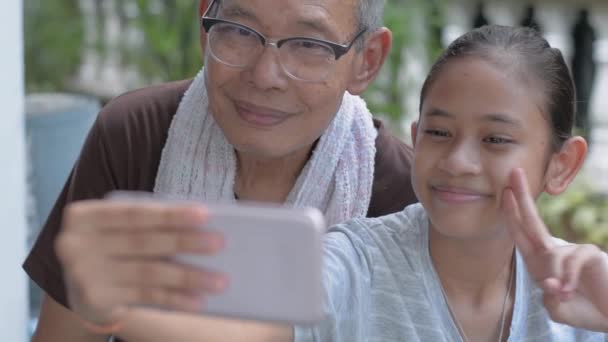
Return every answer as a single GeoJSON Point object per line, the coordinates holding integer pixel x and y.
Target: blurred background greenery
{"type": "Point", "coordinates": [580, 214]}
{"type": "Point", "coordinates": [165, 47]}
{"type": "Point", "coordinates": [54, 37]}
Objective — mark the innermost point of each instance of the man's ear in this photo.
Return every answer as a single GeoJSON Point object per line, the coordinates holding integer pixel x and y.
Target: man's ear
{"type": "Point", "coordinates": [375, 51]}
{"type": "Point", "coordinates": [202, 7]}
{"type": "Point", "coordinates": [414, 132]}
{"type": "Point", "coordinates": [564, 165]}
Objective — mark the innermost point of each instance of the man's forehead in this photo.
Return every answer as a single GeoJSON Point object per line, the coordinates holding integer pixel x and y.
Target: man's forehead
{"type": "Point", "coordinates": [327, 4]}
{"type": "Point", "coordinates": [334, 16]}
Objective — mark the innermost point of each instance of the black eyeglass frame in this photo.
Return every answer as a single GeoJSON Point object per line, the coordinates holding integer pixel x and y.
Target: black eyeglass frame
{"type": "Point", "coordinates": [338, 49]}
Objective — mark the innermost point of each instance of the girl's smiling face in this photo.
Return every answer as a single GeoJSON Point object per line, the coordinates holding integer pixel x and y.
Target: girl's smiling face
{"type": "Point", "coordinates": [478, 122]}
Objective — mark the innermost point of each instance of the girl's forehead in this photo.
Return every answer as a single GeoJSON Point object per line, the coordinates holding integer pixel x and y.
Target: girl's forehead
{"type": "Point", "coordinates": [474, 86]}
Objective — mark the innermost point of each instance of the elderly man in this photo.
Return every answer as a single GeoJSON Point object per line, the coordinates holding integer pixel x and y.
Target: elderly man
{"type": "Point", "coordinates": [274, 116]}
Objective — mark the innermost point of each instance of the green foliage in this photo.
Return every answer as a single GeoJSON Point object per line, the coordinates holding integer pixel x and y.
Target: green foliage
{"type": "Point", "coordinates": [386, 95]}
{"type": "Point", "coordinates": [166, 43]}
{"type": "Point", "coordinates": [54, 38]}
{"type": "Point", "coordinates": [578, 215]}
{"type": "Point", "coordinates": [170, 48]}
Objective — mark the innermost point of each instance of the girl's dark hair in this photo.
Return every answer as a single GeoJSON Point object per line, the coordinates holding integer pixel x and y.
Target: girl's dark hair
{"type": "Point", "coordinates": [525, 52]}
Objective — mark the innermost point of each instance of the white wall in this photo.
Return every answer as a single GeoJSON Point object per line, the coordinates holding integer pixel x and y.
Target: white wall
{"type": "Point", "coordinates": [13, 291]}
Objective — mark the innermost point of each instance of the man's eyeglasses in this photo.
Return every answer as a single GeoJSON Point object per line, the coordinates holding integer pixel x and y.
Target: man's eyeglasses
{"type": "Point", "coordinates": [302, 58]}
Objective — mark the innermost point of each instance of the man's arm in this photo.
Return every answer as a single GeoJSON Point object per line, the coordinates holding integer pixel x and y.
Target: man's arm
{"type": "Point", "coordinates": [57, 323]}
{"type": "Point", "coordinates": [60, 324]}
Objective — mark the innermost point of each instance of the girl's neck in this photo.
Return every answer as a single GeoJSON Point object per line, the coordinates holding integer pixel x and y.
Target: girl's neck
{"type": "Point", "coordinates": [471, 268]}
{"type": "Point", "coordinates": [476, 276]}
{"type": "Point", "coordinates": [268, 180]}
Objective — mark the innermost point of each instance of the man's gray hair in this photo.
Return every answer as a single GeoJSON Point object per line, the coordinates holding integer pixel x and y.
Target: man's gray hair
{"type": "Point", "coordinates": [370, 14]}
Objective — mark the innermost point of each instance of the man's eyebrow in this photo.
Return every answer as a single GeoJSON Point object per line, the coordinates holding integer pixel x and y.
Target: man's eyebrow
{"type": "Point", "coordinates": [234, 11]}
{"type": "Point", "coordinates": [318, 26]}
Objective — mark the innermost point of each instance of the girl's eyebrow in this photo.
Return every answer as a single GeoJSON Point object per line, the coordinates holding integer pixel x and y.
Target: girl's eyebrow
{"type": "Point", "coordinates": [440, 113]}
{"type": "Point", "coordinates": [502, 118]}
{"type": "Point", "coordinates": [492, 117]}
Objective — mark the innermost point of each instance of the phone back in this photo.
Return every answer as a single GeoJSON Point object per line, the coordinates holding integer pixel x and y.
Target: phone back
{"type": "Point", "coordinates": [273, 258]}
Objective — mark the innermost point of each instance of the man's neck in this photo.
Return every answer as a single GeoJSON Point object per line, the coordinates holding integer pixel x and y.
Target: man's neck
{"type": "Point", "coordinates": [268, 180]}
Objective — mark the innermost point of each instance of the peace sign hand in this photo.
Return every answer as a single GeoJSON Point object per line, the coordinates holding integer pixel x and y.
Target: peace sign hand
{"type": "Point", "coordinates": [574, 277]}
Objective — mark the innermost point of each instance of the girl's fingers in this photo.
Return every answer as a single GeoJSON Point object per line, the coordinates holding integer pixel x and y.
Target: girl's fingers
{"type": "Point", "coordinates": [595, 278]}
{"type": "Point", "coordinates": [554, 287]}
{"type": "Point", "coordinates": [582, 269]}
{"type": "Point", "coordinates": [574, 263]}
{"type": "Point", "coordinates": [514, 223]}
{"type": "Point", "coordinates": [551, 286]}
{"type": "Point", "coordinates": [553, 303]}
{"type": "Point", "coordinates": [532, 224]}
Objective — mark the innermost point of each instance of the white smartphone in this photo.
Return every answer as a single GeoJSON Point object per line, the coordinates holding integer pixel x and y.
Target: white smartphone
{"type": "Point", "coordinates": [272, 257]}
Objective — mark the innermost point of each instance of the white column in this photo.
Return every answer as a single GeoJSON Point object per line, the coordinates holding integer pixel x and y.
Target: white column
{"type": "Point", "coordinates": [556, 18]}
{"type": "Point", "coordinates": [597, 163]}
{"type": "Point", "coordinates": [89, 70]}
{"type": "Point", "coordinates": [111, 66]}
{"type": "Point", "coordinates": [508, 13]}
{"type": "Point", "coordinates": [104, 75]}
{"type": "Point", "coordinates": [13, 287]}
{"type": "Point", "coordinates": [414, 69]}
{"type": "Point", "coordinates": [458, 19]}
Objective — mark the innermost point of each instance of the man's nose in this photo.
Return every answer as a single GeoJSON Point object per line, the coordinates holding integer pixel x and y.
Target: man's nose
{"type": "Point", "coordinates": [266, 72]}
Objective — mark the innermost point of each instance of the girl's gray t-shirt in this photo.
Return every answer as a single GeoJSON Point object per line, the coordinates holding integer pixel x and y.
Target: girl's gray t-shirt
{"type": "Point", "coordinates": [380, 285]}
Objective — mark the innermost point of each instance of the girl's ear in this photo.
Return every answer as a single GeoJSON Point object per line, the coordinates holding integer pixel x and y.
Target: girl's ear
{"type": "Point", "coordinates": [565, 164]}
{"type": "Point", "coordinates": [414, 132]}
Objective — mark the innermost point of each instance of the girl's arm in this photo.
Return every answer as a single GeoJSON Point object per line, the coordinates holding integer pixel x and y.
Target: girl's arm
{"type": "Point", "coordinates": [152, 325]}
{"type": "Point", "coordinates": [574, 277]}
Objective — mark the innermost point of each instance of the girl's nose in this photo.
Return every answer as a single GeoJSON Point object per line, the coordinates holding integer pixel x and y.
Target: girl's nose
{"type": "Point", "coordinates": [462, 159]}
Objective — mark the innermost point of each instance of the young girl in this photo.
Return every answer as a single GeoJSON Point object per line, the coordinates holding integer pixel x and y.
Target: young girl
{"type": "Point", "coordinates": [473, 261]}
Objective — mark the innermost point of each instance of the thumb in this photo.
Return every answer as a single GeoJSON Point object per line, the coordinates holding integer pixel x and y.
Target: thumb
{"type": "Point", "coordinates": [552, 303]}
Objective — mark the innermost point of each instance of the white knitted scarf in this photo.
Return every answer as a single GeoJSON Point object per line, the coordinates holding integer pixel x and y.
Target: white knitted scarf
{"type": "Point", "coordinates": [198, 163]}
